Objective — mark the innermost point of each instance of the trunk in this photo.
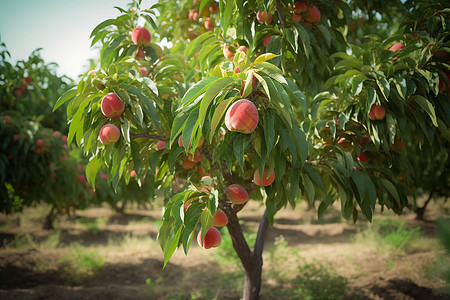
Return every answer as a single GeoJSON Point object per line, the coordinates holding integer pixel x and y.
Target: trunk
{"type": "Point", "coordinates": [251, 261]}
{"type": "Point", "coordinates": [420, 211]}
{"type": "Point", "coordinates": [49, 219]}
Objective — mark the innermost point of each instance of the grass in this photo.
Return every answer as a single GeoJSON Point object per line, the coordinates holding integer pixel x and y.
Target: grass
{"type": "Point", "coordinates": [78, 263]}
{"type": "Point", "coordinates": [27, 241]}
{"type": "Point", "coordinates": [92, 226]}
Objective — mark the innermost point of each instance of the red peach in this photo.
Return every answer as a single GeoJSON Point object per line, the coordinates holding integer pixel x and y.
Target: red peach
{"type": "Point", "coordinates": [267, 40]}
{"type": "Point", "coordinates": [199, 144]}
{"type": "Point", "coordinates": [195, 16]}
{"type": "Point", "coordinates": [237, 71]}
{"type": "Point", "coordinates": [7, 119]}
{"type": "Point", "coordinates": [81, 178]}
{"type": "Point", "coordinates": [39, 143]}
{"type": "Point", "coordinates": [363, 157]}
{"type": "Point", "coordinates": [300, 7]}
{"type": "Point", "coordinates": [143, 71]}
{"type": "Point", "coordinates": [209, 24]}
{"type": "Point", "coordinates": [296, 18]}
{"type": "Point", "coordinates": [201, 172]}
{"type": "Point", "coordinates": [220, 218]}
{"type": "Point", "coordinates": [139, 54]}
{"type": "Point", "coordinates": [23, 86]}
{"type": "Point", "coordinates": [132, 173]}
{"type": "Point", "coordinates": [56, 134]}
{"type": "Point", "coordinates": [27, 80]}
{"type": "Point", "coordinates": [227, 52]}
{"type": "Point", "coordinates": [17, 92]}
{"type": "Point", "coordinates": [237, 194]}
{"type": "Point", "coordinates": [266, 180]}
{"type": "Point", "coordinates": [264, 17]}
{"type": "Point", "coordinates": [141, 36]}
{"type": "Point", "coordinates": [196, 157]}
{"type": "Point", "coordinates": [312, 15]}
{"type": "Point", "coordinates": [160, 145]}
{"type": "Point", "coordinates": [214, 7]}
{"type": "Point", "coordinates": [187, 164]}
{"type": "Point", "coordinates": [242, 48]}
{"type": "Point", "coordinates": [212, 238]}
{"type": "Point", "coordinates": [16, 137]}
{"type": "Point", "coordinates": [242, 116]}
{"type": "Point", "coordinates": [109, 134]}
{"type": "Point", "coordinates": [396, 47]}
{"type": "Point", "coordinates": [377, 112]}
{"type": "Point", "coordinates": [112, 106]}
{"type": "Point", "coordinates": [80, 167]}
{"type": "Point", "coordinates": [104, 177]}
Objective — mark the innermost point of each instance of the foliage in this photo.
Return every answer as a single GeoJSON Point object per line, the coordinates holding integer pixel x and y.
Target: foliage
{"type": "Point", "coordinates": [313, 85]}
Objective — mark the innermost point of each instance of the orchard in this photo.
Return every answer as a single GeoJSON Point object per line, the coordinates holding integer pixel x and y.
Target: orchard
{"type": "Point", "coordinates": [214, 105]}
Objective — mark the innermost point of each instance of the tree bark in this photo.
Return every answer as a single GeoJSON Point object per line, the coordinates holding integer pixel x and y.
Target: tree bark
{"type": "Point", "coordinates": [420, 211]}
{"type": "Point", "coordinates": [251, 261]}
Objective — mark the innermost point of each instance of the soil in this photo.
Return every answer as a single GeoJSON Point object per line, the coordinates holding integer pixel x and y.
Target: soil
{"type": "Point", "coordinates": [133, 270]}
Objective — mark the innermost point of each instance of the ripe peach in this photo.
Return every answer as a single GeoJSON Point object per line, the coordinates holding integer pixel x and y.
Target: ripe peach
{"type": "Point", "coordinates": [214, 7]}
{"type": "Point", "coordinates": [143, 71]}
{"type": "Point", "coordinates": [242, 48]}
{"type": "Point", "coordinates": [141, 36]}
{"type": "Point", "coordinates": [312, 14]}
{"type": "Point", "coordinates": [266, 180]}
{"type": "Point", "coordinates": [104, 177]}
{"type": "Point", "coordinates": [300, 7]}
{"type": "Point", "coordinates": [220, 218]}
{"type": "Point", "coordinates": [56, 134]}
{"type": "Point", "coordinates": [237, 194]}
{"type": "Point", "coordinates": [27, 80]}
{"type": "Point", "coordinates": [212, 238]}
{"type": "Point", "coordinates": [109, 134]}
{"type": "Point", "coordinates": [187, 164]}
{"type": "Point", "coordinates": [64, 138]}
{"type": "Point", "coordinates": [195, 16]}
{"type": "Point", "coordinates": [396, 47]}
{"type": "Point", "coordinates": [202, 173]}
{"type": "Point", "coordinates": [160, 145]}
{"type": "Point", "coordinates": [209, 24]}
{"type": "Point", "coordinates": [363, 157]}
{"type": "Point", "coordinates": [16, 137]}
{"type": "Point", "coordinates": [242, 116]}
{"type": "Point", "coordinates": [139, 54]}
{"type": "Point", "coordinates": [237, 71]}
{"type": "Point", "coordinates": [297, 18]}
{"type": "Point", "coordinates": [267, 40]}
{"type": "Point", "coordinates": [17, 92]}
{"type": "Point", "coordinates": [227, 52]}
{"type": "Point", "coordinates": [81, 178]}
{"type": "Point", "coordinates": [7, 119]}
{"type": "Point", "coordinates": [23, 86]}
{"type": "Point", "coordinates": [199, 144]}
{"type": "Point", "coordinates": [112, 106]}
{"type": "Point", "coordinates": [39, 143]}
{"type": "Point", "coordinates": [132, 173]}
{"type": "Point", "coordinates": [264, 17]}
{"type": "Point", "coordinates": [196, 157]}
{"type": "Point", "coordinates": [377, 112]}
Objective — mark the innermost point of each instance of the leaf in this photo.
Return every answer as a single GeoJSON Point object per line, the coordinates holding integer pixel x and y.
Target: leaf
{"type": "Point", "coordinates": [65, 97]}
{"type": "Point", "coordinates": [101, 26]}
{"type": "Point", "coordinates": [391, 189]}
{"type": "Point", "coordinates": [383, 84]}
{"type": "Point", "coordinates": [427, 106]}
{"type": "Point", "coordinates": [217, 116]}
{"type": "Point", "coordinates": [197, 89]}
{"type": "Point", "coordinates": [315, 177]}
{"type": "Point", "coordinates": [309, 188]}
{"type": "Point", "coordinates": [92, 169]}
{"type": "Point", "coordinates": [263, 57]}
{"type": "Point", "coordinates": [172, 246]}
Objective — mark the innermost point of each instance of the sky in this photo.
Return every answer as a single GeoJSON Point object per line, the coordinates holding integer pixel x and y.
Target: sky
{"type": "Point", "coordinates": [61, 27]}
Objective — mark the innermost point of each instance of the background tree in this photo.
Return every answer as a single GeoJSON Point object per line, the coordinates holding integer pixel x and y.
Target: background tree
{"type": "Point", "coordinates": [217, 93]}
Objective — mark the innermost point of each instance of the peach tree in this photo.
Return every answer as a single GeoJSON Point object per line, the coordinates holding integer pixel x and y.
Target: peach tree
{"type": "Point", "coordinates": [215, 103]}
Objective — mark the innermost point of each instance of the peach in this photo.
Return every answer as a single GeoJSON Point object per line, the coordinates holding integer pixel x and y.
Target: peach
{"type": "Point", "coordinates": [23, 86]}
{"type": "Point", "coordinates": [139, 54]}
{"type": "Point", "coordinates": [191, 13]}
{"type": "Point", "coordinates": [267, 40]}
{"type": "Point", "coordinates": [237, 194]}
{"type": "Point", "coordinates": [200, 142]}
{"type": "Point", "coordinates": [296, 18]}
{"type": "Point", "coordinates": [237, 71]}
{"type": "Point", "coordinates": [132, 173]}
{"type": "Point", "coordinates": [187, 164]}
{"type": "Point", "coordinates": [109, 134]}
{"type": "Point", "coordinates": [201, 172]}
{"type": "Point", "coordinates": [81, 178]}
{"type": "Point", "coordinates": [104, 177]}
{"type": "Point", "coordinates": [143, 71]}
{"type": "Point", "coordinates": [300, 7]}
{"type": "Point", "coordinates": [212, 238]}
{"type": "Point", "coordinates": [56, 134]}
{"type": "Point", "coordinates": [209, 24]}
{"type": "Point", "coordinates": [266, 180]}
{"type": "Point", "coordinates": [242, 116]}
{"type": "Point", "coordinates": [227, 52]}
{"type": "Point", "coordinates": [363, 157]}
{"type": "Point", "coordinates": [214, 7]}
{"type": "Point", "coordinates": [112, 106]}
{"type": "Point", "coordinates": [64, 138]}
{"type": "Point", "coordinates": [220, 218]}
{"type": "Point", "coordinates": [141, 36]}
{"type": "Point", "coordinates": [27, 80]}
{"type": "Point", "coordinates": [160, 145]}
{"type": "Point", "coordinates": [397, 47]}
{"type": "Point", "coordinates": [17, 92]}
{"type": "Point", "coordinates": [242, 49]}
{"type": "Point", "coordinates": [196, 157]}
{"type": "Point", "coordinates": [195, 16]}
{"type": "Point", "coordinates": [7, 119]}
{"type": "Point", "coordinates": [264, 17]}
{"type": "Point", "coordinates": [377, 112]}
{"type": "Point", "coordinates": [39, 143]}
{"type": "Point", "coordinates": [312, 14]}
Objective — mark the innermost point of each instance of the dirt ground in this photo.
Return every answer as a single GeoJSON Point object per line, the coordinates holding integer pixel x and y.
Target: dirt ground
{"type": "Point", "coordinates": [31, 268]}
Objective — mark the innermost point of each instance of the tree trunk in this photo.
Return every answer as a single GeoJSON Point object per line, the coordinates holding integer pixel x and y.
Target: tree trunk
{"type": "Point", "coordinates": [420, 211]}
{"type": "Point", "coordinates": [49, 219]}
{"type": "Point", "coordinates": [251, 261]}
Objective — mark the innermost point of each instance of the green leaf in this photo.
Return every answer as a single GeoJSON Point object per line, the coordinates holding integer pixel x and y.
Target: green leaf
{"type": "Point", "coordinates": [92, 169]}
{"type": "Point", "coordinates": [263, 57]}
{"type": "Point", "coordinates": [171, 246]}
{"type": "Point", "coordinates": [220, 110]}
{"type": "Point", "coordinates": [65, 97]}
{"type": "Point", "coordinates": [309, 188]}
{"type": "Point", "coordinates": [101, 26]}
{"type": "Point", "coordinates": [391, 189]}
{"type": "Point", "coordinates": [383, 84]}
{"type": "Point", "coordinates": [427, 106]}
{"type": "Point", "coordinates": [197, 89]}
{"type": "Point", "coordinates": [315, 176]}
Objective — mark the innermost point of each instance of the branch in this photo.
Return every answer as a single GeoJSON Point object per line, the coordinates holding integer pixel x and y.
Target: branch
{"type": "Point", "coordinates": [280, 14]}
{"type": "Point", "coordinates": [259, 243]}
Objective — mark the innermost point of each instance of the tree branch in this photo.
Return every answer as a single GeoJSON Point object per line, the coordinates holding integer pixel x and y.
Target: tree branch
{"type": "Point", "coordinates": [259, 243]}
{"type": "Point", "coordinates": [280, 14]}
{"type": "Point", "coordinates": [149, 136]}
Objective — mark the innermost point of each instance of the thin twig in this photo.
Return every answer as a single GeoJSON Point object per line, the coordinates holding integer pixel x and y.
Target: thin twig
{"type": "Point", "coordinates": [280, 14]}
